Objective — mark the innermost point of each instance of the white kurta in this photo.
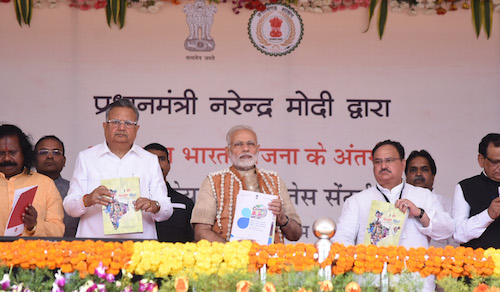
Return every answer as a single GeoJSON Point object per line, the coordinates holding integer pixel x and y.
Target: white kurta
{"type": "Point", "coordinates": [98, 163]}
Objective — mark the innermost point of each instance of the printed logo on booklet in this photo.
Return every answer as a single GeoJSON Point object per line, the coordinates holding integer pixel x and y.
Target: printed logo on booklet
{"type": "Point", "coordinates": [277, 30]}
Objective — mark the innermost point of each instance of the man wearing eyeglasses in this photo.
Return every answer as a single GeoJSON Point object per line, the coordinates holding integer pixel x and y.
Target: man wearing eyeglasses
{"type": "Point", "coordinates": [117, 157]}
{"type": "Point", "coordinates": [426, 217]}
{"type": "Point", "coordinates": [476, 203]}
{"type": "Point", "coordinates": [44, 216]}
{"type": "Point", "coordinates": [50, 161]}
{"type": "Point", "coordinates": [212, 218]}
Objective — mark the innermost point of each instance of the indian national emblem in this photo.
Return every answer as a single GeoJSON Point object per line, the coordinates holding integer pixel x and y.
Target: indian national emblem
{"type": "Point", "coordinates": [275, 27]}
{"type": "Point", "coordinates": [199, 17]}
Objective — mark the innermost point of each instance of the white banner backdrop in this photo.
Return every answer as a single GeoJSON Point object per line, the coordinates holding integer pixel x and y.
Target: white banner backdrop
{"type": "Point", "coordinates": [429, 84]}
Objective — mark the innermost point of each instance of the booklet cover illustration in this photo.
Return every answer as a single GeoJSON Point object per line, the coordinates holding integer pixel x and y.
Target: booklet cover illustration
{"type": "Point", "coordinates": [120, 216]}
{"type": "Point", "coordinates": [252, 219]}
{"type": "Point", "coordinates": [385, 224]}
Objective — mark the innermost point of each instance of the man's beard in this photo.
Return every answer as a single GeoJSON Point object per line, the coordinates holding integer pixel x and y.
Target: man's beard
{"type": "Point", "coordinates": [244, 164]}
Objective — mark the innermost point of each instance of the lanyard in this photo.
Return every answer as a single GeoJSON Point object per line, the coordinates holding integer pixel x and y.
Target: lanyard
{"type": "Point", "coordinates": [385, 197]}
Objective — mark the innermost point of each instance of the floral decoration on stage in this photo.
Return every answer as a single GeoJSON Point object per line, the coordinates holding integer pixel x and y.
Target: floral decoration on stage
{"type": "Point", "coordinates": [482, 10]}
{"type": "Point", "coordinates": [38, 265]}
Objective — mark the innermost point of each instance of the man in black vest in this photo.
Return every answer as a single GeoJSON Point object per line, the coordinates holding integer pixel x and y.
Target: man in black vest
{"type": "Point", "coordinates": [476, 204]}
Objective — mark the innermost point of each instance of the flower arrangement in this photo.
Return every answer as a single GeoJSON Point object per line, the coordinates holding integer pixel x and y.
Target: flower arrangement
{"type": "Point", "coordinates": [110, 266]}
{"type": "Point", "coordinates": [482, 10]}
{"type": "Point", "coordinates": [450, 261]}
{"type": "Point", "coordinates": [82, 256]}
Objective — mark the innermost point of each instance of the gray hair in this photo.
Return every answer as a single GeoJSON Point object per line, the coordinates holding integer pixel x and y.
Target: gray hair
{"type": "Point", "coordinates": [123, 103]}
{"type": "Point", "coordinates": [237, 128]}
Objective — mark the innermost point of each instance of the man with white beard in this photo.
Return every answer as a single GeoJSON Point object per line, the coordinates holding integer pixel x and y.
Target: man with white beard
{"type": "Point", "coordinates": [215, 203]}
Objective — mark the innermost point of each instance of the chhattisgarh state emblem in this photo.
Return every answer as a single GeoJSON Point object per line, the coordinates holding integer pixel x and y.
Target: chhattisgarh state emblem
{"type": "Point", "coordinates": [199, 17]}
{"type": "Point", "coordinates": [277, 30]}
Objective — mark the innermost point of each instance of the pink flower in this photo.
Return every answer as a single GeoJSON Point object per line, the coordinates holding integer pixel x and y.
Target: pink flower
{"type": "Point", "coordinates": [92, 288]}
{"type": "Point", "coordinates": [152, 287]}
{"type": "Point", "coordinates": [354, 6]}
{"type": "Point", "coordinates": [85, 6]}
{"type": "Point", "coordinates": [101, 287]}
{"type": "Point", "coordinates": [143, 284]}
{"type": "Point", "coordinates": [100, 4]}
{"type": "Point", "coordinates": [342, 7]}
{"type": "Point", "coordinates": [60, 280]}
{"type": "Point", "coordinates": [100, 271]}
{"type": "Point", "coordinates": [56, 288]}
{"type": "Point", "coordinates": [5, 282]}
{"type": "Point", "coordinates": [110, 278]}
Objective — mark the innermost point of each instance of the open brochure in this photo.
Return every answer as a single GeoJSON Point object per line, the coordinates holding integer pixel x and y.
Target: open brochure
{"type": "Point", "coordinates": [22, 197]}
{"type": "Point", "coordinates": [385, 224]}
{"type": "Point", "coordinates": [120, 216]}
{"type": "Point", "coordinates": [252, 218]}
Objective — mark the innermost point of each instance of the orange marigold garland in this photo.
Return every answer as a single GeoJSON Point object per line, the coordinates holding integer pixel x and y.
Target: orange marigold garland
{"type": "Point", "coordinates": [440, 262]}
{"type": "Point", "coordinates": [280, 257]}
{"type": "Point", "coordinates": [82, 256]}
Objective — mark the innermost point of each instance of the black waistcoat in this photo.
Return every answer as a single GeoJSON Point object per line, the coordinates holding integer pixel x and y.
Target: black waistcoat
{"type": "Point", "coordinates": [479, 191]}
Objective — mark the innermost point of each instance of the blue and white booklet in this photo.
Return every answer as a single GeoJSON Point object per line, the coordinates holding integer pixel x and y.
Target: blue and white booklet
{"type": "Point", "coordinates": [252, 218]}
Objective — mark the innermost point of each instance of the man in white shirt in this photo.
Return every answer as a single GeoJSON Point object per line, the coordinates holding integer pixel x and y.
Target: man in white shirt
{"type": "Point", "coordinates": [420, 171]}
{"type": "Point", "coordinates": [426, 216]}
{"type": "Point", "coordinates": [476, 203]}
{"type": "Point", "coordinates": [118, 157]}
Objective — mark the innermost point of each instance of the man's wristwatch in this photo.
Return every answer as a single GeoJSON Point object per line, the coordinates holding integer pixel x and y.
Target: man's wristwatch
{"type": "Point", "coordinates": [158, 206]}
{"type": "Point", "coordinates": [422, 211]}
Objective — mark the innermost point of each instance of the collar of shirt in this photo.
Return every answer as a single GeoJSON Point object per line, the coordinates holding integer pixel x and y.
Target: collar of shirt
{"type": "Point", "coordinates": [393, 194]}
{"type": "Point", "coordinates": [250, 177]}
{"type": "Point", "coordinates": [104, 150]}
{"type": "Point", "coordinates": [2, 175]}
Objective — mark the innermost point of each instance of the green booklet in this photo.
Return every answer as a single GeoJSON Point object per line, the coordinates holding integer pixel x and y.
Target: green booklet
{"type": "Point", "coordinates": [385, 224]}
{"type": "Point", "coordinates": [120, 216]}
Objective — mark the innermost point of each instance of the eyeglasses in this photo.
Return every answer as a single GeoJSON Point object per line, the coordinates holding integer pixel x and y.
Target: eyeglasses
{"type": "Point", "coordinates": [45, 152]}
{"type": "Point", "coordinates": [494, 163]}
{"type": "Point", "coordinates": [390, 160]}
{"type": "Point", "coordinates": [117, 123]}
{"type": "Point", "coordinates": [239, 144]}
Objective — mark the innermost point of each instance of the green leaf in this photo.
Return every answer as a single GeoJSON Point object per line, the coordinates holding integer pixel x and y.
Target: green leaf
{"type": "Point", "coordinates": [487, 17]}
{"type": "Point", "coordinates": [18, 12]}
{"type": "Point", "coordinates": [476, 15]}
{"type": "Point", "coordinates": [114, 9]}
{"type": "Point", "coordinates": [382, 17]}
{"type": "Point", "coordinates": [30, 11]}
{"type": "Point", "coordinates": [108, 12]}
{"type": "Point", "coordinates": [24, 11]}
{"type": "Point", "coordinates": [123, 9]}
{"type": "Point", "coordinates": [373, 4]}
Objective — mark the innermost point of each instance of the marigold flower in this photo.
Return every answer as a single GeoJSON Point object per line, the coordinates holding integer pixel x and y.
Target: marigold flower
{"type": "Point", "coordinates": [303, 290]}
{"type": "Point", "coordinates": [325, 285]}
{"type": "Point", "coordinates": [481, 288]}
{"type": "Point", "coordinates": [269, 287]}
{"type": "Point", "coordinates": [181, 284]}
{"type": "Point", "coordinates": [243, 286]}
{"type": "Point", "coordinates": [352, 287]}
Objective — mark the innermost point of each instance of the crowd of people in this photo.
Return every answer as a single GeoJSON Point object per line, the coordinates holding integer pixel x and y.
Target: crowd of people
{"type": "Point", "coordinates": [74, 208]}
